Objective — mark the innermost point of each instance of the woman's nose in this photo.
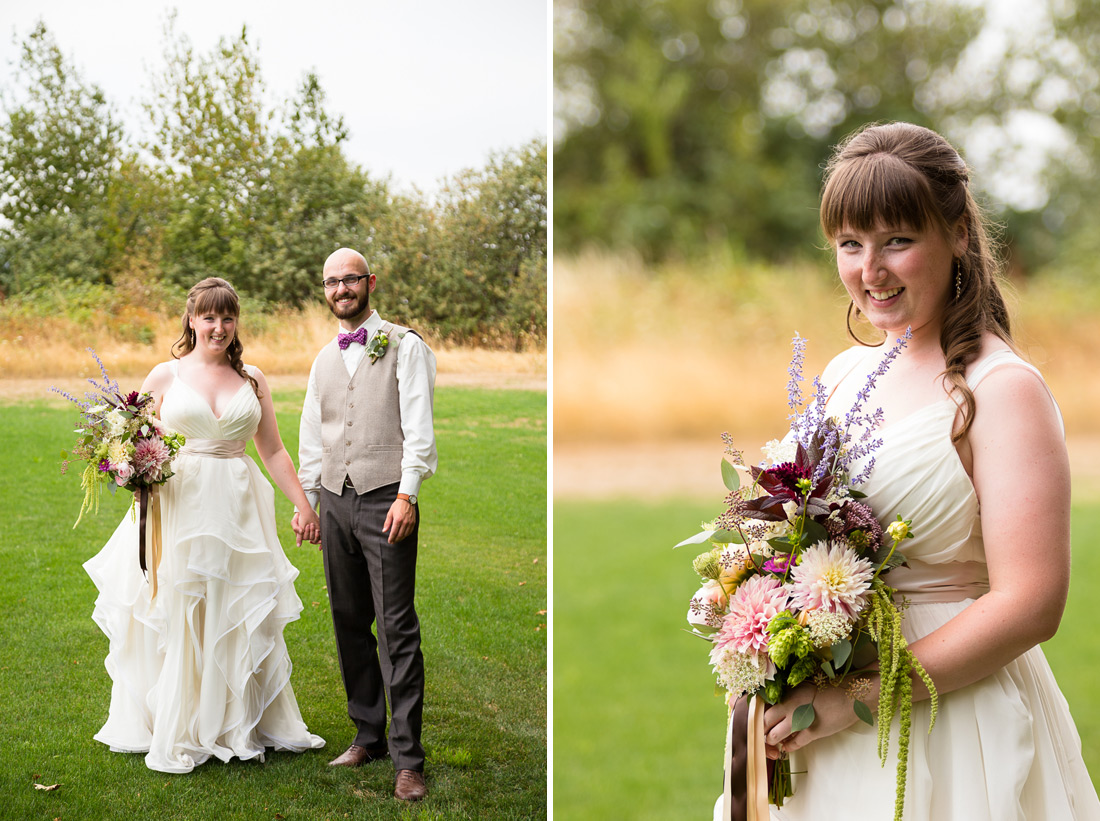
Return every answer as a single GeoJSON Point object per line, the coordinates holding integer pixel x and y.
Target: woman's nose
{"type": "Point", "coordinates": [873, 268]}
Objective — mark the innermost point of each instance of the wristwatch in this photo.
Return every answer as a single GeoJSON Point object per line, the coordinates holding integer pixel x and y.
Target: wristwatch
{"type": "Point", "coordinates": [410, 499]}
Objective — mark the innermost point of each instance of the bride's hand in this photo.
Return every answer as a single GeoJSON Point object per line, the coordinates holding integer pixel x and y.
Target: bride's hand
{"type": "Point", "coordinates": [833, 712]}
{"type": "Point", "coordinates": [307, 527]}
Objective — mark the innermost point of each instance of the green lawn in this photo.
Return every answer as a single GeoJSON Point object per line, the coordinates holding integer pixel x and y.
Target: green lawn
{"type": "Point", "coordinates": [481, 587]}
{"type": "Point", "coordinates": [637, 732]}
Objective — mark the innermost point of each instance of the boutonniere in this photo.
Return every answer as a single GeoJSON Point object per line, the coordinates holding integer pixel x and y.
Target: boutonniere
{"type": "Point", "coordinates": [376, 349]}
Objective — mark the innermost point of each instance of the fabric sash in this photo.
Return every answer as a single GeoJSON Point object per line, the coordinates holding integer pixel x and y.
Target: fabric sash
{"type": "Point", "coordinates": [924, 583]}
{"type": "Point", "coordinates": [214, 448]}
{"type": "Point", "coordinates": [745, 785]}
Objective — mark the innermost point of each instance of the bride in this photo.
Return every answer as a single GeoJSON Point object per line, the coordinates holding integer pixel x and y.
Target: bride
{"type": "Point", "coordinates": [973, 452]}
{"type": "Point", "coordinates": [200, 669]}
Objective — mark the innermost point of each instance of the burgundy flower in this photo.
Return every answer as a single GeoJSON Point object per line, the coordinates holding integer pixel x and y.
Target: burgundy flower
{"type": "Point", "coordinates": [856, 522]}
{"type": "Point", "coordinates": [782, 483]}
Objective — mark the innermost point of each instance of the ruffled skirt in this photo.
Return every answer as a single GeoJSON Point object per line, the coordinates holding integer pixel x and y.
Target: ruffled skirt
{"type": "Point", "coordinates": [202, 670]}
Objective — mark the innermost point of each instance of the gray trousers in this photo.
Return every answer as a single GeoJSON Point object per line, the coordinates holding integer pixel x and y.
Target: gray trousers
{"type": "Point", "coordinates": [368, 581]}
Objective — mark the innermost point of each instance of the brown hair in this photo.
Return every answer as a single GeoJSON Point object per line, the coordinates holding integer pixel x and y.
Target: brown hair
{"type": "Point", "coordinates": [216, 296]}
{"type": "Point", "coordinates": [900, 174]}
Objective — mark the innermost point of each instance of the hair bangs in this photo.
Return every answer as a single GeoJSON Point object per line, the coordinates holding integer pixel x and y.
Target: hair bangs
{"type": "Point", "coordinates": [876, 190]}
{"type": "Point", "coordinates": [218, 298]}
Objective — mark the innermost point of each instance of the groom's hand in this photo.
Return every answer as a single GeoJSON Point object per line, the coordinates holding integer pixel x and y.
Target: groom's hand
{"type": "Point", "coordinates": [400, 521]}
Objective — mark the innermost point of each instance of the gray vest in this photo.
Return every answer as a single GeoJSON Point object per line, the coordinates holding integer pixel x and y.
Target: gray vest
{"type": "Point", "coordinates": [361, 434]}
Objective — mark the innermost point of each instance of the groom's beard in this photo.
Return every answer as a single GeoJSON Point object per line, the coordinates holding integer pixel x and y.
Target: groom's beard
{"type": "Point", "coordinates": [350, 309]}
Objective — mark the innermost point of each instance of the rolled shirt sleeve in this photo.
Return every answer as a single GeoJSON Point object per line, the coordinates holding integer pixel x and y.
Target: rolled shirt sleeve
{"type": "Point", "coordinates": [416, 388]}
{"type": "Point", "coordinates": [309, 441]}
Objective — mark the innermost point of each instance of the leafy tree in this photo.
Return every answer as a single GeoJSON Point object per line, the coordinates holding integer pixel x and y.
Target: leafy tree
{"type": "Point", "coordinates": [313, 202]}
{"type": "Point", "coordinates": [212, 147]}
{"type": "Point", "coordinates": [682, 123]}
{"type": "Point", "coordinates": [61, 160]}
{"type": "Point", "coordinates": [494, 224]}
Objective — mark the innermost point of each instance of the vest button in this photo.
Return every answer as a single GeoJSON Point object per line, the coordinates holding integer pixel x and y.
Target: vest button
{"type": "Point", "coordinates": [347, 463]}
{"type": "Point", "coordinates": [349, 424]}
{"type": "Point", "coordinates": [348, 444]}
{"type": "Point", "coordinates": [351, 404]}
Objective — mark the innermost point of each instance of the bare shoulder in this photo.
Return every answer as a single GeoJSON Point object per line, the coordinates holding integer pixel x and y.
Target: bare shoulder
{"type": "Point", "coordinates": [159, 378]}
{"type": "Point", "coordinates": [1012, 402]}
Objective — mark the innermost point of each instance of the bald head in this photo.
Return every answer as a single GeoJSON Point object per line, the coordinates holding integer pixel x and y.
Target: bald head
{"type": "Point", "coordinates": [346, 259]}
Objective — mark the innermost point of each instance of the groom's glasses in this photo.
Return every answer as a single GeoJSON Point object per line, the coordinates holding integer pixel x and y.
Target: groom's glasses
{"type": "Point", "coordinates": [349, 282]}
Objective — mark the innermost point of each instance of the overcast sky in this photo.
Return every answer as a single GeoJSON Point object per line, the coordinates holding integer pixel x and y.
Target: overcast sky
{"type": "Point", "coordinates": [426, 87]}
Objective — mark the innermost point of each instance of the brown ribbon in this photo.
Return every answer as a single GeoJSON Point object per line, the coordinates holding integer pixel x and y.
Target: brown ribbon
{"type": "Point", "coordinates": [149, 503]}
{"type": "Point", "coordinates": [746, 774]}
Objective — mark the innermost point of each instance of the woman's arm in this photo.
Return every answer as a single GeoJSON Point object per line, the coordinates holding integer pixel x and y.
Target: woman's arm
{"type": "Point", "coordinates": [269, 446]}
{"type": "Point", "coordinates": [1021, 476]}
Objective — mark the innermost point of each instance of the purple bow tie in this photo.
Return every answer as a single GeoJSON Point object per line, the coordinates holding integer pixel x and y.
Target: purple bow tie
{"type": "Point", "coordinates": [360, 336]}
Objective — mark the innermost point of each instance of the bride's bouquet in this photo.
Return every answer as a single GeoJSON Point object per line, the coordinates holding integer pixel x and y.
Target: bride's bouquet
{"type": "Point", "coordinates": [795, 585]}
{"type": "Point", "coordinates": [124, 445]}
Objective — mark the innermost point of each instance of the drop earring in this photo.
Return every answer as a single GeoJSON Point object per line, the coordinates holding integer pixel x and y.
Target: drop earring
{"type": "Point", "coordinates": [958, 280]}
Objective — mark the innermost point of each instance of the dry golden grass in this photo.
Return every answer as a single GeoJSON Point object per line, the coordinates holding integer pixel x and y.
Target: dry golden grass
{"type": "Point", "coordinates": [35, 352]}
{"type": "Point", "coordinates": [687, 352]}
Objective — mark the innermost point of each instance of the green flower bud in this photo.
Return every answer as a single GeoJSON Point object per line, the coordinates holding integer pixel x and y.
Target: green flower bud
{"type": "Point", "coordinates": [707, 565]}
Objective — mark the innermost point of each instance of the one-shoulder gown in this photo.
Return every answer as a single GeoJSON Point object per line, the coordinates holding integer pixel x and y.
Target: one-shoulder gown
{"type": "Point", "coordinates": [1004, 748]}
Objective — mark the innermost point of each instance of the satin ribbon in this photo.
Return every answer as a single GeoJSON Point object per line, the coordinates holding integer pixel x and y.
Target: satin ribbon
{"type": "Point", "coordinates": [745, 783]}
{"type": "Point", "coordinates": [149, 505]}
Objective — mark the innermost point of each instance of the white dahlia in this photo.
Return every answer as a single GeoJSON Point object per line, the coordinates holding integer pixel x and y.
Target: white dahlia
{"type": "Point", "coordinates": [831, 578]}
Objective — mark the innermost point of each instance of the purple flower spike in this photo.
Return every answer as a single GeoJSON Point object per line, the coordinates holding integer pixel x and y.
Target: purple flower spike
{"type": "Point", "coordinates": [794, 385]}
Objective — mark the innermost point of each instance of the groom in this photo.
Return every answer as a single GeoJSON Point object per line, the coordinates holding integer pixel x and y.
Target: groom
{"type": "Point", "coordinates": [366, 444]}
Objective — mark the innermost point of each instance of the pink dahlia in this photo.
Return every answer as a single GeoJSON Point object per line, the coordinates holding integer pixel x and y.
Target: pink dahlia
{"type": "Point", "coordinates": [831, 578]}
{"type": "Point", "coordinates": [149, 457]}
{"type": "Point", "coordinates": [745, 627]}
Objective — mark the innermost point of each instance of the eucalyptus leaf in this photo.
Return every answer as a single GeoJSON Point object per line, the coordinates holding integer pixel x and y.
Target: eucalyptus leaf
{"type": "Point", "coordinates": [727, 537]}
{"type": "Point", "coordinates": [864, 712]}
{"type": "Point", "coordinates": [698, 538]}
{"type": "Point", "coordinates": [730, 477]}
{"type": "Point", "coordinates": [827, 666]}
{"type": "Point", "coordinates": [803, 717]}
{"type": "Point", "coordinates": [856, 494]}
{"type": "Point", "coordinates": [841, 651]}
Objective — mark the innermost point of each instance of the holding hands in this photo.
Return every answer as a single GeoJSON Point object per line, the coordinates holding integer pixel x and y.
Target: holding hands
{"type": "Point", "coordinates": [307, 527]}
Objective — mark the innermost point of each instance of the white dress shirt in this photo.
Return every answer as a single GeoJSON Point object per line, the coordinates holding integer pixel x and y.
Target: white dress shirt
{"type": "Point", "coordinates": [416, 391]}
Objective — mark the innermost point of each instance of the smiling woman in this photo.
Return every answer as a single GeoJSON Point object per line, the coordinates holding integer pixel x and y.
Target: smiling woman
{"type": "Point", "coordinates": [198, 663]}
{"type": "Point", "coordinates": [961, 412]}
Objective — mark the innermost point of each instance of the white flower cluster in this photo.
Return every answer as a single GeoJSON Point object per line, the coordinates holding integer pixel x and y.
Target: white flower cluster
{"type": "Point", "coordinates": [778, 451]}
{"type": "Point", "coordinates": [739, 673]}
{"type": "Point", "coordinates": [826, 628]}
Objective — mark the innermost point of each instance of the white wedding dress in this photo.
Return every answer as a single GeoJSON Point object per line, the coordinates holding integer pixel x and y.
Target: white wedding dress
{"type": "Point", "coordinates": [1004, 748]}
{"type": "Point", "coordinates": [202, 670]}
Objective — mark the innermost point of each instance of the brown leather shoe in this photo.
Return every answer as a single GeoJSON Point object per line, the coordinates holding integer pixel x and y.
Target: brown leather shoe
{"type": "Point", "coordinates": [356, 756]}
{"type": "Point", "coordinates": [410, 786]}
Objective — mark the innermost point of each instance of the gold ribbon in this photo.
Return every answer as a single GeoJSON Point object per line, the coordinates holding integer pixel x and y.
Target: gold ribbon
{"type": "Point", "coordinates": [745, 782]}
{"type": "Point", "coordinates": [149, 502]}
